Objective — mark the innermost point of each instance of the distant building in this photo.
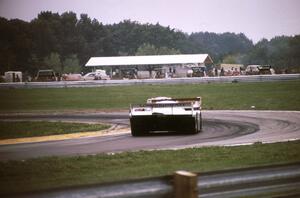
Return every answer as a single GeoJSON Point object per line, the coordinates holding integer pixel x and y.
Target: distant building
{"type": "Point", "coordinates": [158, 66]}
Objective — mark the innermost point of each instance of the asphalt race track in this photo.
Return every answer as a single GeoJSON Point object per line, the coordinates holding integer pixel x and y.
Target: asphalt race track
{"type": "Point", "coordinates": [221, 128]}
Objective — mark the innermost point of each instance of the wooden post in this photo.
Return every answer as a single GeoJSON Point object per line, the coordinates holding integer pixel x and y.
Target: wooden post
{"type": "Point", "coordinates": [185, 185]}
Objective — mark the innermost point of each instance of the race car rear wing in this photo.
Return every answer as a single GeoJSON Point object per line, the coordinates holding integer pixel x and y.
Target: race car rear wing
{"type": "Point", "coordinates": [168, 102]}
{"type": "Point", "coordinates": [165, 99]}
{"type": "Point", "coordinates": [171, 102]}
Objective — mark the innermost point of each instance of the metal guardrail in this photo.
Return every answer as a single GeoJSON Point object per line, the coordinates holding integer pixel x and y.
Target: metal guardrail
{"type": "Point", "coordinates": [195, 80]}
{"type": "Point", "coordinates": [270, 181]}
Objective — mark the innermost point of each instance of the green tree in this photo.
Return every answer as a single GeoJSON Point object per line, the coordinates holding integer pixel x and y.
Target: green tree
{"type": "Point", "coordinates": [294, 52]}
{"type": "Point", "coordinates": [230, 59]}
{"type": "Point", "coordinates": [15, 45]}
{"type": "Point", "coordinates": [46, 34]}
{"type": "Point", "coordinates": [53, 62]}
{"type": "Point", "coordinates": [221, 45]}
{"type": "Point", "coordinates": [70, 38]}
{"type": "Point", "coordinates": [94, 37]}
{"type": "Point", "coordinates": [71, 64]}
{"type": "Point", "coordinates": [127, 36]}
{"type": "Point", "coordinates": [148, 49]}
{"type": "Point", "coordinates": [51, 40]}
{"type": "Point", "coordinates": [277, 52]}
{"type": "Point", "coordinates": [167, 51]}
{"type": "Point", "coordinates": [259, 54]}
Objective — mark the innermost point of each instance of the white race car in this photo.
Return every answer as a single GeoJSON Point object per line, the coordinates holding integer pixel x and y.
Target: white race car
{"type": "Point", "coordinates": [164, 114]}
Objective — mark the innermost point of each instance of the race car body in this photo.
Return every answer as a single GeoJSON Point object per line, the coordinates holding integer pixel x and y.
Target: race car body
{"type": "Point", "coordinates": [164, 114]}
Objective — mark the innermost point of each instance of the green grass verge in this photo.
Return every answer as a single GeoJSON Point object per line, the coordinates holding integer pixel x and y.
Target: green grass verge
{"type": "Point", "coordinates": [267, 96]}
{"type": "Point", "coordinates": [51, 172]}
{"type": "Point", "coordinates": [32, 129]}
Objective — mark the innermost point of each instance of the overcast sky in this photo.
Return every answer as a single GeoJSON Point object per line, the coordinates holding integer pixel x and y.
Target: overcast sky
{"type": "Point", "coordinates": [257, 19]}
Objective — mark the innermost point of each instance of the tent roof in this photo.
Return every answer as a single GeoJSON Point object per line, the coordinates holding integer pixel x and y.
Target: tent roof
{"type": "Point", "coordinates": [149, 60]}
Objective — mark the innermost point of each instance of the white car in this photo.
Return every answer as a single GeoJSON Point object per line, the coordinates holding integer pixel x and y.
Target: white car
{"type": "Point", "coordinates": [89, 76]}
{"type": "Point", "coordinates": [164, 114]}
{"type": "Point", "coordinates": [101, 75]}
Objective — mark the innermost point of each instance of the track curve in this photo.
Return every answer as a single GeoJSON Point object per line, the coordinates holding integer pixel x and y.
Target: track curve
{"type": "Point", "coordinates": [220, 128]}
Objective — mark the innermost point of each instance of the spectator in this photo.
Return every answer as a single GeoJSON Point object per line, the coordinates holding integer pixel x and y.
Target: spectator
{"type": "Point", "coordinates": [222, 71]}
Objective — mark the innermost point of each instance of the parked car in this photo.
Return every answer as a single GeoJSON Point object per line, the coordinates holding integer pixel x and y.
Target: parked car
{"type": "Point", "coordinates": [72, 77]}
{"type": "Point", "coordinates": [252, 70]}
{"type": "Point", "coordinates": [196, 72]}
{"type": "Point", "coordinates": [259, 70]}
{"type": "Point", "coordinates": [265, 69]}
{"type": "Point", "coordinates": [161, 73]}
{"type": "Point", "coordinates": [89, 76]}
{"type": "Point", "coordinates": [129, 73]}
{"type": "Point", "coordinates": [101, 75]}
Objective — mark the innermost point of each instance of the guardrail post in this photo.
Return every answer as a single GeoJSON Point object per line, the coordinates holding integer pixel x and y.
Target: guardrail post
{"type": "Point", "coordinates": [185, 185]}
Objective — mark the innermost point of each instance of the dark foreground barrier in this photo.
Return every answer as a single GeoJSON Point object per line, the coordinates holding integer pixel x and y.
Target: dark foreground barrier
{"type": "Point", "coordinates": [194, 80]}
{"type": "Point", "coordinates": [269, 181]}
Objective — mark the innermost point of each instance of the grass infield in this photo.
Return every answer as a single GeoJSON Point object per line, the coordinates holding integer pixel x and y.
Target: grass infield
{"type": "Point", "coordinates": [52, 172]}
{"type": "Point", "coordinates": [22, 129]}
{"type": "Point", "coordinates": [228, 96]}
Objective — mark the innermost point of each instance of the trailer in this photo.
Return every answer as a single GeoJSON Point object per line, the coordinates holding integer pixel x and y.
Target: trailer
{"type": "Point", "coordinates": [166, 115]}
{"type": "Point", "coordinates": [13, 76]}
{"type": "Point", "coordinates": [46, 75]}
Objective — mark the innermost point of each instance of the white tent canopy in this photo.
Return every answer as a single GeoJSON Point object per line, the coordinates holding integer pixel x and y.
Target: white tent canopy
{"type": "Point", "coordinates": [149, 60]}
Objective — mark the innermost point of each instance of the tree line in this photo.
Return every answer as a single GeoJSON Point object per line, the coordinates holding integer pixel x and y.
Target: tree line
{"type": "Point", "coordinates": [65, 43]}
